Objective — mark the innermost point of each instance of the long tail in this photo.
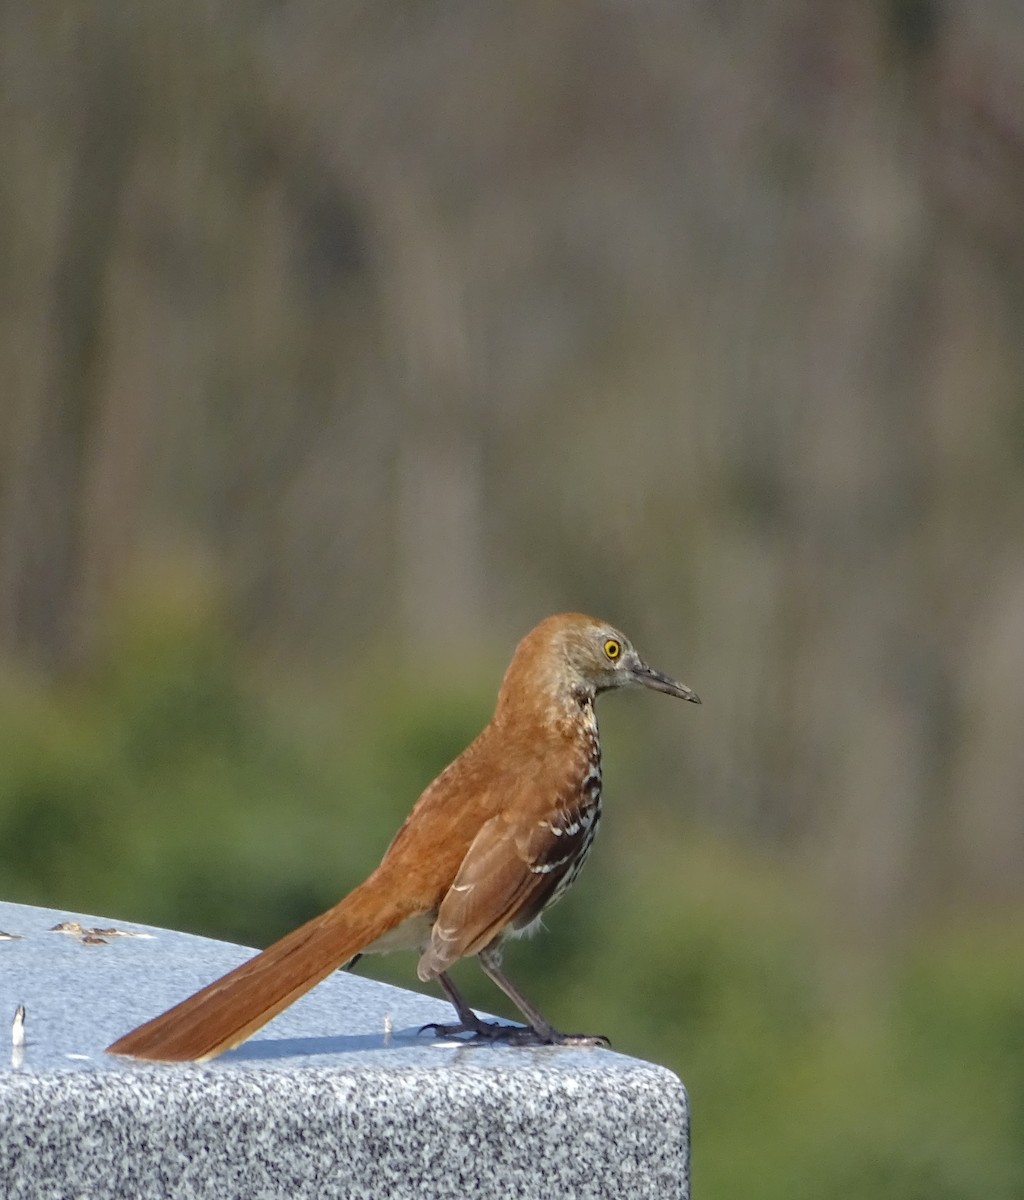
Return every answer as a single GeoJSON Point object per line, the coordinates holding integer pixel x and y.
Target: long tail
{"type": "Point", "coordinates": [227, 1011]}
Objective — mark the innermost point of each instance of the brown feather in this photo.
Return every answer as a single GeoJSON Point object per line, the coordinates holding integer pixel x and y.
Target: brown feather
{"type": "Point", "coordinates": [231, 1008]}
{"type": "Point", "coordinates": [517, 866]}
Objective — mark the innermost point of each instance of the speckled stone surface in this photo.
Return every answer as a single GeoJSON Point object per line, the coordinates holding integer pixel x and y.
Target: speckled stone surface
{"type": "Point", "coordinates": [337, 1097]}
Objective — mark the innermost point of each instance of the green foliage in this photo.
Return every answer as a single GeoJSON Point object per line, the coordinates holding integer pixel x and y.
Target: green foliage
{"type": "Point", "coordinates": [176, 784]}
{"type": "Point", "coordinates": [170, 786]}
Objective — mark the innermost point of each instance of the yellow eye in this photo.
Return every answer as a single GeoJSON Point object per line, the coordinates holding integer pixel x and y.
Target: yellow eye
{"type": "Point", "coordinates": [612, 649]}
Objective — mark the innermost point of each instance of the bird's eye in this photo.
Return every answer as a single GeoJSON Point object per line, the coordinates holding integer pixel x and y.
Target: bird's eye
{"type": "Point", "coordinates": [612, 649]}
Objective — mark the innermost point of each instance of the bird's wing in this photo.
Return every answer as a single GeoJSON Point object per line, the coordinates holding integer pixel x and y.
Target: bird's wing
{"type": "Point", "coordinates": [510, 873]}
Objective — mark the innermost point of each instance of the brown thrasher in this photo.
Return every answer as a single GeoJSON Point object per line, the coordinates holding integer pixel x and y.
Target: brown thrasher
{"type": "Point", "coordinates": [492, 842]}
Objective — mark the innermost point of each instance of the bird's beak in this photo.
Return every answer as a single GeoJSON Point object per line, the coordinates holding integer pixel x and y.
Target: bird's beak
{"type": "Point", "coordinates": [647, 677]}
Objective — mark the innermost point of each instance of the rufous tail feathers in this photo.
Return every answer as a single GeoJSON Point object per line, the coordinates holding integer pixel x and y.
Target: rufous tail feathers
{"type": "Point", "coordinates": [231, 1008]}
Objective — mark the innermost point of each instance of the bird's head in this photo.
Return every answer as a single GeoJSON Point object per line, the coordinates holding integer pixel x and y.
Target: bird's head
{"type": "Point", "coordinates": [573, 655]}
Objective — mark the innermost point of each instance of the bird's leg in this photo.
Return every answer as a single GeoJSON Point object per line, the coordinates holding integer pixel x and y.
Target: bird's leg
{"type": "Point", "coordinates": [482, 1031]}
{"type": "Point", "coordinates": [469, 1022]}
{"type": "Point", "coordinates": [543, 1033]}
{"type": "Point", "coordinates": [537, 1033]}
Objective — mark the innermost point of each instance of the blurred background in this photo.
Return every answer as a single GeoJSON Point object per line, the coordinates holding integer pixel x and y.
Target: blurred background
{"type": "Point", "coordinates": [342, 341]}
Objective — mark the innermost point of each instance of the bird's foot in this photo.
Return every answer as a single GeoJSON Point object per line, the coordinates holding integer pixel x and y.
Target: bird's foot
{"type": "Point", "coordinates": [479, 1031]}
{"type": "Point", "coordinates": [492, 1032]}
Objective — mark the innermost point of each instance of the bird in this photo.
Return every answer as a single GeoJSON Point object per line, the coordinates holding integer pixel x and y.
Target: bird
{"type": "Point", "coordinates": [491, 844]}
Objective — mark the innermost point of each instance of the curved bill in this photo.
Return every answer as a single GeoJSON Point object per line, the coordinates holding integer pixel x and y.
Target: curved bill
{"type": "Point", "coordinates": [647, 677]}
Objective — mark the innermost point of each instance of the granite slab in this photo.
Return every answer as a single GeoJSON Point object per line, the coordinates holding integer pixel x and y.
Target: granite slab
{"type": "Point", "coordinates": [339, 1096]}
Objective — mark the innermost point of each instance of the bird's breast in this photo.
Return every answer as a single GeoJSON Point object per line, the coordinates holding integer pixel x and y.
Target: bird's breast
{"type": "Point", "coordinates": [565, 834]}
